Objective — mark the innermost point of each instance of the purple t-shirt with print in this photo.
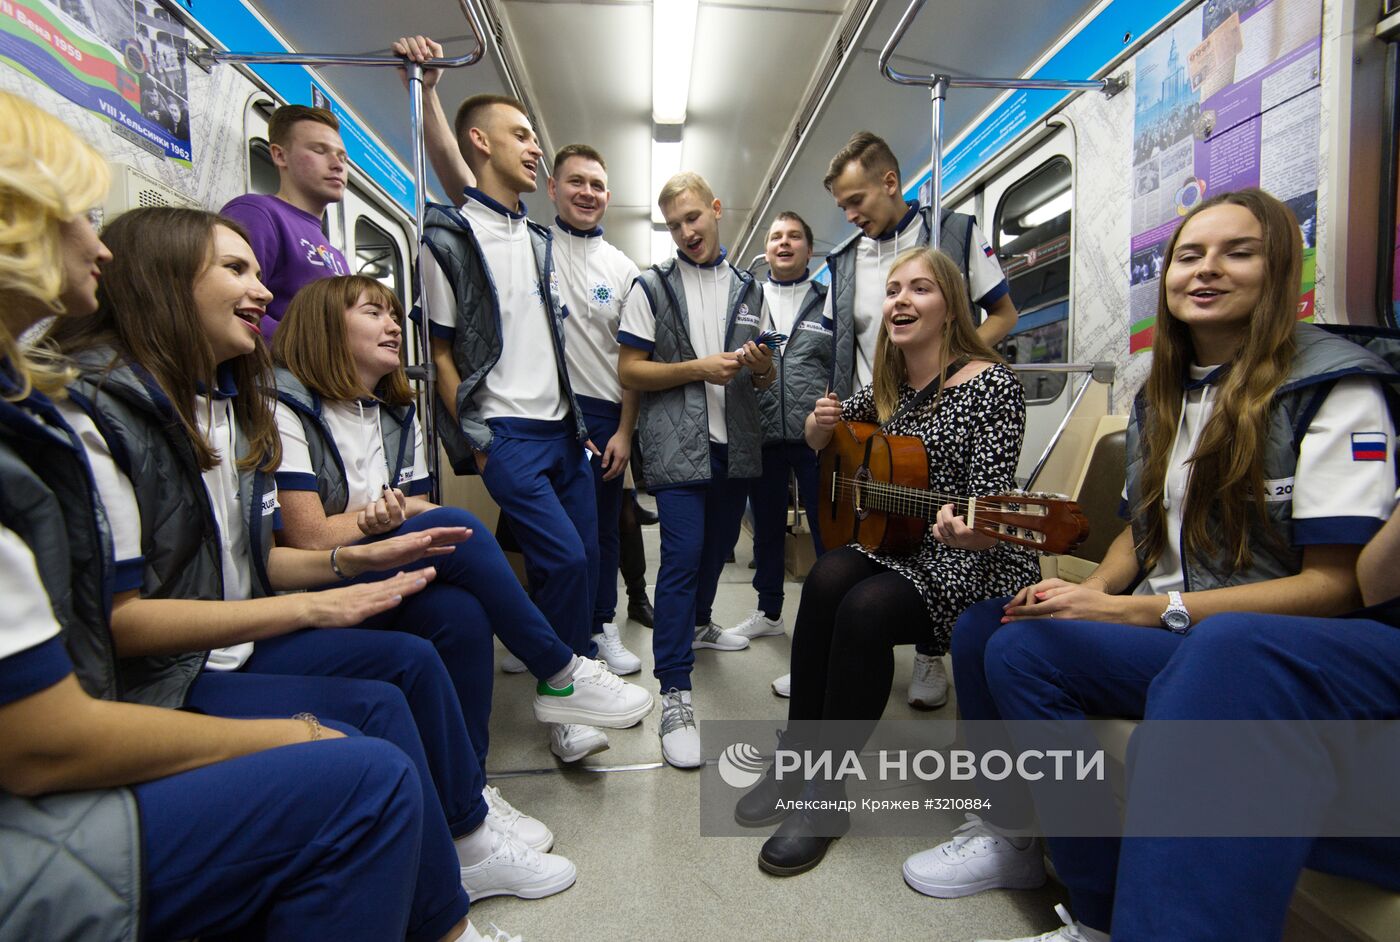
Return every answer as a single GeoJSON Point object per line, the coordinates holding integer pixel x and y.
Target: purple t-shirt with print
{"type": "Point", "coordinates": [290, 247]}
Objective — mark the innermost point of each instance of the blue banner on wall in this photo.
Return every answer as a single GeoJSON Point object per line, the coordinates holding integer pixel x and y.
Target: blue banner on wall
{"type": "Point", "coordinates": [237, 28]}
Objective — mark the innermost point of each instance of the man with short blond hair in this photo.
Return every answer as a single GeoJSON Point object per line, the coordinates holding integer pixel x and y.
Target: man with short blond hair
{"type": "Point", "coordinates": [285, 228]}
{"type": "Point", "coordinates": [689, 326]}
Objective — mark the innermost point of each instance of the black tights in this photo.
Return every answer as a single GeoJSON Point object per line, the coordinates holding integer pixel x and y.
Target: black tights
{"type": "Point", "coordinates": [853, 613]}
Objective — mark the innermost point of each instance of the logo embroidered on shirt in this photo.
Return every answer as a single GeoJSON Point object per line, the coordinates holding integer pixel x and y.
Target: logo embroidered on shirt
{"type": "Point", "coordinates": [814, 325]}
{"type": "Point", "coordinates": [269, 504]}
{"type": "Point", "coordinates": [1368, 446]}
{"type": "Point", "coordinates": [602, 294]}
{"type": "Point", "coordinates": [405, 475]}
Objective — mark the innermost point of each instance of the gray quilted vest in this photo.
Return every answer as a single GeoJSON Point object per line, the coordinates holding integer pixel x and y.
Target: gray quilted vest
{"type": "Point", "coordinates": [476, 342]}
{"type": "Point", "coordinates": [1321, 360]}
{"type": "Point", "coordinates": [955, 240]}
{"type": "Point", "coordinates": [179, 536]}
{"type": "Point", "coordinates": [395, 427]}
{"type": "Point", "coordinates": [86, 844]}
{"type": "Point", "coordinates": [674, 423]}
{"type": "Point", "coordinates": [804, 369]}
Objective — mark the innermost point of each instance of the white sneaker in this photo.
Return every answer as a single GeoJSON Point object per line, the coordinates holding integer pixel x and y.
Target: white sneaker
{"type": "Point", "coordinates": [928, 688]}
{"type": "Point", "coordinates": [503, 818]}
{"type": "Point", "coordinates": [713, 636]}
{"type": "Point", "coordinates": [596, 697]}
{"type": "Point", "coordinates": [497, 935]}
{"type": "Point", "coordinates": [978, 858]}
{"type": "Point", "coordinates": [610, 647]}
{"type": "Point", "coordinates": [573, 741]}
{"type": "Point", "coordinates": [1071, 931]}
{"type": "Point", "coordinates": [515, 870]}
{"type": "Point", "coordinates": [680, 737]}
{"type": "Point", "coordinates": [758, 625]}
{"type": "Point", "coordinates": [512, 664]}
{"type": "Point", "coordinates": [783, 686]}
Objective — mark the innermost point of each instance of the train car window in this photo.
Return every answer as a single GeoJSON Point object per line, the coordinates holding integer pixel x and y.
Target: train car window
{"type": "Point", "coordinates": [262, 172]}
{"type": "Point", "coordinates": [378, 256]}
{"type": "Point", "coordinates": [1031, 236]}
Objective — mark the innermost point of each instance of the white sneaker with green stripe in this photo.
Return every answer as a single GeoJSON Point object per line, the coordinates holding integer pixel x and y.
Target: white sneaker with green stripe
{"type": "Point", "coordinates": [595, 697]}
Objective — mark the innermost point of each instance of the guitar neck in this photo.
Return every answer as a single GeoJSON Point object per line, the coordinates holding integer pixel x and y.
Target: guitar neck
{"type": "Point", "coordinates": [906, 501]}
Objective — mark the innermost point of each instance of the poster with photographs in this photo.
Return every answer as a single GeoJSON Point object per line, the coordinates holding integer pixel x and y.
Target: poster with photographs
{"type": "Point", "coordinates": [1228, 98]}
{"type": "Point", "coordinates": [122, 59]}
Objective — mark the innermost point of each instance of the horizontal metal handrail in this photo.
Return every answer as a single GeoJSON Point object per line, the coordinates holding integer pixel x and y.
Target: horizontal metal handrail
{"type": "Point", "coordinates": [208, 57]}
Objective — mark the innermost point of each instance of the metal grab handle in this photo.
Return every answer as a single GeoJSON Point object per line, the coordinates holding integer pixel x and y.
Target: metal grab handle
{"type": "Point", "coordinates": [941, 82]}
{"type": "Point", "coordinates": [208, 57]}
{"type": "Point", "coordinates": [424, 372]}
{"type": "Point", "coordinates": [1107, 86]}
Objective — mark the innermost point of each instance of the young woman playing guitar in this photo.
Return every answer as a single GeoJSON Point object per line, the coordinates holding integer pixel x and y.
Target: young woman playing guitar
{"type": "Point", "coordinates": [936, 380]}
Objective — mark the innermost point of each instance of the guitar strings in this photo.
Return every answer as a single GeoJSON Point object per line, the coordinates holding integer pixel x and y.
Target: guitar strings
{"type": "Point", "coordinates": [928, 499]}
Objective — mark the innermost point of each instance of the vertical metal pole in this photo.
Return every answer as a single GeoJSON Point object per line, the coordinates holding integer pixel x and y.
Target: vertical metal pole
{"type": "Point", "coordinates": [939, 94]}
{"type": "Point", "coordinates": [425, 351]}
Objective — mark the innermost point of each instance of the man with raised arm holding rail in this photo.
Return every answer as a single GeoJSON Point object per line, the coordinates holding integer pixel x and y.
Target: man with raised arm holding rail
{"type": "Point", "coordinates": [508, 407]}
{"type": "Point", "coordinates": [689, 327]}
{"type": "Point", "coordinates": [593, 277]}
{"type": "Point", "coordinates": [284, 228]}
{"type": "Point", "coordinates": [864, 180]}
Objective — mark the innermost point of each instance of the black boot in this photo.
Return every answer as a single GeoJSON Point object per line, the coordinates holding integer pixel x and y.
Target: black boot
{"type": "Point", "coordinates": [802, 839]}
{"type": "Point", "coordinates": [640, 611]}
{"type": "Point", "coordinates": [760, 805]}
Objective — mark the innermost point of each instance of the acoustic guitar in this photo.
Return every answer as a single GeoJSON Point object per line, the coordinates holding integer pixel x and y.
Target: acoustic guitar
{"type": "Point", "coordinates": [873, 490]}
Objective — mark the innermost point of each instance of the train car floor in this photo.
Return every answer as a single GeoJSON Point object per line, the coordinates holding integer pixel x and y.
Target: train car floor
{"type": "Point", "coordinates": [631, 824]}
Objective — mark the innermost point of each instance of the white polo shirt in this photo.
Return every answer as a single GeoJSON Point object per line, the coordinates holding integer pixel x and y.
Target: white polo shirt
{"type": "Point", "coordinates": [782, 303]}
{"type": "Point", "coordinates": [707, 290]}
{"type": "Point", "coordinates": [32, 656]}
{"type": "Point", "coordinates": [594, 277]}
{"type": "Point", "coordinates": [873, 260]}
{"type": "Point", "coordinates": [217, 424]}
{"type": "Point", "coordinates": [524, 383]}
{"type": "Point", "coordinates": [118, 498]}
{"type": "Point", "coordinates": [354, 425]}
{"type": "Point", "coordinates": [1342, 490]}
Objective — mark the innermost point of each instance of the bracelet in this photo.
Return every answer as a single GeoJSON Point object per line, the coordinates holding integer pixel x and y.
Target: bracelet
{"type": "Point", "coordinates": [335, 566]}
{"type": "Point", "coordinates": [312, 724]}
{"type": "Point", "coordinates": [765, 374]}
{"type": "Point", "coordinates": [1093, 575]}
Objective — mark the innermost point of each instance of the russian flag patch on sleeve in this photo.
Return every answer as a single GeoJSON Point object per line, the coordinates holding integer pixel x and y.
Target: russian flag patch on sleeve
{"type": "Point", "coordinates": [1368, 446]}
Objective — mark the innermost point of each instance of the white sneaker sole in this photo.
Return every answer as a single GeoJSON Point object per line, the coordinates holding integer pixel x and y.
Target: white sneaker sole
{"type": "Point", "coordinates": [765, 633]}
{"type": "Point", "coordinates": [927, 703]}
{"type": "Point", "coordinates": [956, 891]}
{"type": "Point", "coordinates": [557, 710]}
{"type": "Point", "coordinates": [676, 763]}
{"type": "Point", "coordinates": [698, 645]}
{"type": "Point", "coordinates": [545, 887]}
{"type": "Point", "coordinates": [578, 754]}
{"type": "Point", "coordinates": [786, 695]}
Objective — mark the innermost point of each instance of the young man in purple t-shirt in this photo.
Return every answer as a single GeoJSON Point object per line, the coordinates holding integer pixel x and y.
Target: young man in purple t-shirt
{"type": "Point", "coordinates": [285, 228]}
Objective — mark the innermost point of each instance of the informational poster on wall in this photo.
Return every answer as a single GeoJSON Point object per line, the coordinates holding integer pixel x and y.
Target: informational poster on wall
{"type": "Point", "coordinates": [1228, 98]}
{"type": "Point", "coordinates": [122, 59]}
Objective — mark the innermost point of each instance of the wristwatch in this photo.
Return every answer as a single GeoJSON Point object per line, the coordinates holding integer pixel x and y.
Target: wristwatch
{"type": "Point", "coordinates": [1176, 618]}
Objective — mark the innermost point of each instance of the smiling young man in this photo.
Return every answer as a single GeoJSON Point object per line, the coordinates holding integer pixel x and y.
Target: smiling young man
{"type": "Point", "coordinates": [284, 228]}
{"type": "Point", "coordinates": [509, 410]}
{"type": "Point", "coordinates": [864, 180]}
{"type": "Point", "coordinates": [687, 335]}
{"type": "Point", "coordinates": [792, 305]}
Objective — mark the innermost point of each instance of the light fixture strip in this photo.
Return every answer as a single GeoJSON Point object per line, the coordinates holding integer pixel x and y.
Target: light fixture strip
{"type": "Point", "coordinates": [672, 51]}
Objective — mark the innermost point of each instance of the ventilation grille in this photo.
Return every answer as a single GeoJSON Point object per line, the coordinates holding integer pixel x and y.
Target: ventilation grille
{"type": "Point", "coordinates": [131, 189]}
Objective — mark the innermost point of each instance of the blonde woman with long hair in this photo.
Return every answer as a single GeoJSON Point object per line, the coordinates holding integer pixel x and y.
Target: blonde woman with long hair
{"type": "Point", "coordinates": [127, 819]}
{"type": "Point", "coordinates": [1260, 461]}
{"type": "Point", "coordinates": [857, 605]}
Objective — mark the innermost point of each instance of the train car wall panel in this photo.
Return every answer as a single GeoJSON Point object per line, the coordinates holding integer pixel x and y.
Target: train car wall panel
{"type": "Point", "coordinates": [211, 104]}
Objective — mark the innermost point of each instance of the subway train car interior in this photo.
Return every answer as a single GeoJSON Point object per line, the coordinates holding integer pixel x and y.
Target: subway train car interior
{"type": "Point", "coordinates": [997, 402]}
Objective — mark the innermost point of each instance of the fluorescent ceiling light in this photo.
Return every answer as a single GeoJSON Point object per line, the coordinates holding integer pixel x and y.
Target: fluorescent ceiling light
{"type": "Point", "coordinates": [662, 246]}
{"type": "Point", "coordinates": [665, 164]}
{"type": "Point", "coordinates": [1049, 209]}
{"type": "Point", "coordinates": [672, 49]}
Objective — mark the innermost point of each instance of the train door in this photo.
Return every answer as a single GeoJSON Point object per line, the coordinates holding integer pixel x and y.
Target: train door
{"type": "Point", "coordinates": [1027, 214]}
